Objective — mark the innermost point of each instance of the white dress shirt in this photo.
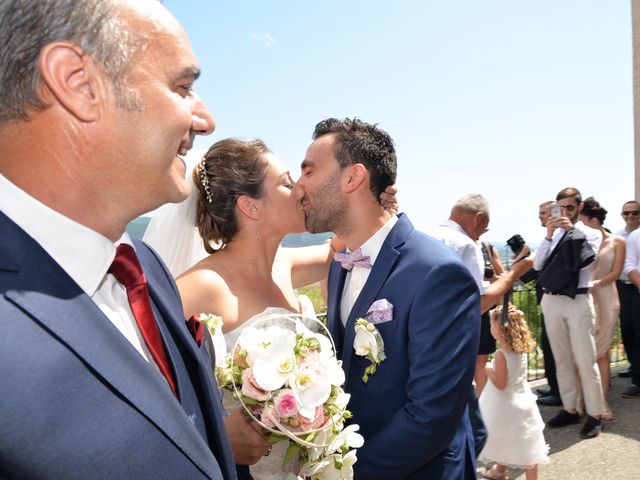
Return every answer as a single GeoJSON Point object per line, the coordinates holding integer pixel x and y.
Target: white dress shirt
{"type": "Point", "coordinates": [357, 277]}
{"type": "Point", "coordinates": [624, 277]}
{"type": "Point", "coordinates": [83, 253]}
{"type": "Point", "coordinates": [453, 235]}
{"type": "Point", "coordinates": [545, 247]}
{"type": "Point", "coordinates": [632, 257]}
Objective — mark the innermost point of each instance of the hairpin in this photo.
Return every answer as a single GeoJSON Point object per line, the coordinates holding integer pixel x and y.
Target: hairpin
{"type": "Point", "coordinates": [204, 181]}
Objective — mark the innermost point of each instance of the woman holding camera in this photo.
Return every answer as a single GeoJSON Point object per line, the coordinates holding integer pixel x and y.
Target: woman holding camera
{"type": "Point", "coordinates": [493, 268]}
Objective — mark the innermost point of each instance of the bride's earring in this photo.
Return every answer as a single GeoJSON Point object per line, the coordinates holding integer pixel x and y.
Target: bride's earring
{"type": "Point", "coordinates": [257, 230]}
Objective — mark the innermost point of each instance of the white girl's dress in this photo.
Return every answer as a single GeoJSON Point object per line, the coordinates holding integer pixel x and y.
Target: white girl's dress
{"type": "Point", "coordinates": [513, 420]}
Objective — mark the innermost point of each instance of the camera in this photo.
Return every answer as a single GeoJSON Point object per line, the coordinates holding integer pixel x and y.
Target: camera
{"type": "Point", "coordinates": [516, 244]}
{"type": "Point", "coordinates": [488, 272]}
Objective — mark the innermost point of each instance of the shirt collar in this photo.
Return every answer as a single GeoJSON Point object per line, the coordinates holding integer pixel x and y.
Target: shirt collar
{"type": "Point", "coordinates": [83, 253]}
{"type": "Point", "coordinates": [372, 246]}
{"type": "Point", "coordinates": [455, 226]}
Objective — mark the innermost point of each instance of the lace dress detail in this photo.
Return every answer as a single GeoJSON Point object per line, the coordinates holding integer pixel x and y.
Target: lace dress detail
{"type": "Point", "coordinates": [271, 467]}
{"type": "Point", "coordinates": [513, 420]}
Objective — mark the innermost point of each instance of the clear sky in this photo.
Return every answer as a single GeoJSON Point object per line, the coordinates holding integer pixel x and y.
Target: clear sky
{"type": "Point", "coordinates": [512, 99]}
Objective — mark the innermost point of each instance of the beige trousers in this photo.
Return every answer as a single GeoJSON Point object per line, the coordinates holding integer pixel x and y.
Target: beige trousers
{"type": "Point", "coordinates": [570, 324]}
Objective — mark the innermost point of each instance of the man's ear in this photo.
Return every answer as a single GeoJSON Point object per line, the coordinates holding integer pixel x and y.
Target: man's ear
{"type": "Point", "coordinates": [356, 175]}
{"type": "Point", "coordinates": [249, 207]}
{"type": "Point", "coordinates": [73, 79]}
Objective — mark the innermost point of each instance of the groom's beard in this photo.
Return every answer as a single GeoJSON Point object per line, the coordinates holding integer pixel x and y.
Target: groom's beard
{"type": "Point", "coordinates": [327, 211]}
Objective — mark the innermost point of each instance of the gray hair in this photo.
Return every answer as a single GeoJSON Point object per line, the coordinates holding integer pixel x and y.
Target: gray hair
{"type": "Point", "coordinates": [473, 202]}
{"type": "Point", "coordinates": [29, 25]}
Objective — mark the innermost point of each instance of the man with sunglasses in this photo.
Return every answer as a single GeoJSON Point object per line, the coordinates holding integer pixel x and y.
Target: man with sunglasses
{"type": "Point", "coordinates": [626, 289]}
{"type": "Point", "coordinates": [632, 339]}
{"type": "Point", "coordinates": [568, 250]}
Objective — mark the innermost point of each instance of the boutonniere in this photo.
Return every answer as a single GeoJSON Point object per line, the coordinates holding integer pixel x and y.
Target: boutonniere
{"type": "Point", "coordinates": [368, 342]}
{"type": "Point", "coordinates": [213, 323]}
{"type": "Point", "coordinates": [194, 324]}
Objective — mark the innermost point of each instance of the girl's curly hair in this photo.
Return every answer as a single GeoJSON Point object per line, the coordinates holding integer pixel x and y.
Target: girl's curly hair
{"type": "Point", "coordinates": [516, 333]}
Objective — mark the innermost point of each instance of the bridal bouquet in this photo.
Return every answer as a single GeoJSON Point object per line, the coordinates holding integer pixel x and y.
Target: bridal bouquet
{"type": "Point", "coordinates": [288, 379]}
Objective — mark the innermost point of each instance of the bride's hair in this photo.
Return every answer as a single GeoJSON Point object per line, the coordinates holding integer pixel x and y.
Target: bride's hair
{"type": "Point", "coordinates": [232, 168]}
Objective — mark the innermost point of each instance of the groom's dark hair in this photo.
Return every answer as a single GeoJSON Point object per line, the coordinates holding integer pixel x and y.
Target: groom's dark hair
{"type": "Point", "coordinates": [360, 142]}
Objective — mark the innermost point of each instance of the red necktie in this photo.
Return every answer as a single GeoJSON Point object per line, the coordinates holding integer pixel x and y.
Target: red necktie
{"type": "Point", "coordinates": [127, 270]}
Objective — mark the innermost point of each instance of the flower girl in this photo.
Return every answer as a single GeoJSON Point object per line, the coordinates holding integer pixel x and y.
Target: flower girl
{"type": "Point", "coordinates": [507, 404]}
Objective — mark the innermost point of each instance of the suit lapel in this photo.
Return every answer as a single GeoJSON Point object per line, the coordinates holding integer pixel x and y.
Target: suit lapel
{"type": "Point", "coordinates": [337, 275]}
{"type": "Point", "coordinates": [46, 293]}
{"type": "Point", "coordinates": [172, 313]}
{"type": "Point", "coordinates": [380, 271]}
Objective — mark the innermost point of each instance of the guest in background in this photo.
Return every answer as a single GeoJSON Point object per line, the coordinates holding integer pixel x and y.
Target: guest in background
{"type": "Point", "coordinates": [631, 216]}
{"type": "Point", "coordinates": [508, 405]}
{"type": "Point", "coordinates": [607, 268]}
{"type": "Point", "coordinates": [632, 269]}
{"type": "Point", "coordinates": [468, 220]}
{"type": "Point", "coordinates": [565, 261]}
{"type": "Point", "coordinates": [551, 395]}
{"type": "Point", "coordinates": [493, 269]}
{"type": "Point", "coordinates": [544, 212]}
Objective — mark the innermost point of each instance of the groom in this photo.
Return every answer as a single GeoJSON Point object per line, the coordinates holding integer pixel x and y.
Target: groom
{"type": "Point", "coordinates": [412, 410]}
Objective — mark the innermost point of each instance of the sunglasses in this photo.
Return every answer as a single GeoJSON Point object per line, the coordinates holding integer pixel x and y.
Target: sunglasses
{"type": "Point", "coordinates": [569, 208]}
{"type": "Point", "coordinates": [634, 213]}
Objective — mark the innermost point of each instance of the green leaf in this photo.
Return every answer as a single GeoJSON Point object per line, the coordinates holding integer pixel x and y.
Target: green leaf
{"type": "Point", "coordinates": [292, 450]}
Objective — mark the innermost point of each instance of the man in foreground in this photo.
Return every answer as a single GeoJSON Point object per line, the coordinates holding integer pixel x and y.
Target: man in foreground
{"type": "Point", "coordinates": [100, 377]}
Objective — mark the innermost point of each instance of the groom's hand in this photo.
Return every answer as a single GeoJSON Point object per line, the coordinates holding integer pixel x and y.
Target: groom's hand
{"type": "Point", "coordinates": [247, 442]}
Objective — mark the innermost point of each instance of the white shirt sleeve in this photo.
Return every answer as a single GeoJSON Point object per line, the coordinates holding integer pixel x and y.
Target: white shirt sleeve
{"type": "Point", "coordinates": [631, 258]}
{"type": "Point", "coordinates": [542, 253]}
{"type": "Point", "coordinates": [469, 256]}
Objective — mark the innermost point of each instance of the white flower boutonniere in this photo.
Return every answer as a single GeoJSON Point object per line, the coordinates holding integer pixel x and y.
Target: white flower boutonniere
{"type": "Point", "coordinates": [368, 342]}
{"type": "Point", "coordinates": [214, 325]}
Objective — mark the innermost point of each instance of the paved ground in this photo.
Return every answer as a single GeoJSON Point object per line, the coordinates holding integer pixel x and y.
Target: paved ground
{"type": "Point", "coordinates": [614, 454]}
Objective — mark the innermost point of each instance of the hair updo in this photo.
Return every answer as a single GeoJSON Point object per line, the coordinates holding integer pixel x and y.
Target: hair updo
{"type": "Point", "coordinates": [232, 168]}
{"type": "Point", "coordinates": [592, 209]}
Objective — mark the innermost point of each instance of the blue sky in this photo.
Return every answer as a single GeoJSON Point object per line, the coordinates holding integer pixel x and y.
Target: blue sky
{"type": "Point", "coordinates": [515, 100]}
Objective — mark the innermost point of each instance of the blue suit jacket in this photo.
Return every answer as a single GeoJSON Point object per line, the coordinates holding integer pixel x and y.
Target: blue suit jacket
{"type": "Point", "coordinates": [412, 412]}
{"type": "Point", "coordinates": [77, 401]}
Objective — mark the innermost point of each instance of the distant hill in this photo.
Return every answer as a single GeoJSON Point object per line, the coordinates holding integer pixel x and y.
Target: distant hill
{"type": "Point", "coordinates": [137, 227]}
{"type": "Point", "coordinates": [305, 239]}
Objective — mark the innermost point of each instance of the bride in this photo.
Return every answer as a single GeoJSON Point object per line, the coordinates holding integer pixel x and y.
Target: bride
{"type": "Point", "coordinates": [243, 206]}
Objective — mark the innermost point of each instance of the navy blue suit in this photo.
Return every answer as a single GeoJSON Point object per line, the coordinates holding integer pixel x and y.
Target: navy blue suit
{"type": "Point", "coordinates": [412, 412]}
{"type": "Point", "coordinates": [77, 401]}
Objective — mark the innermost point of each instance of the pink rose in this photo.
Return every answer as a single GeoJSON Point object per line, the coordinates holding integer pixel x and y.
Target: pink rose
{"type": "Point", "coordinates": [266, 416]}
{"type": "Point", "coordinates": [318, 420]}
{"type": "Point", "coordinates": [238, 359]}
{"type": "Point", "coordinates": [251, 389]}
{"type": "Point", "coordinates": [286, 405]}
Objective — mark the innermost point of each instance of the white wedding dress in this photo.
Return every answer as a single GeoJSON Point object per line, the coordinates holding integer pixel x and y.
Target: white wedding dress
{"type": "Point", "coordinates": [271, 467]}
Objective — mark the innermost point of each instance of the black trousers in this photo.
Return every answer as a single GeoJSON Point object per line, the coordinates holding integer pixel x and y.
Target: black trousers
{"type": "Point", "coordinates": [634, 353]}
{"type": "Point", "coordinates": [626, 293]}
{"type": "Point", "coordinates": [549, 361]}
